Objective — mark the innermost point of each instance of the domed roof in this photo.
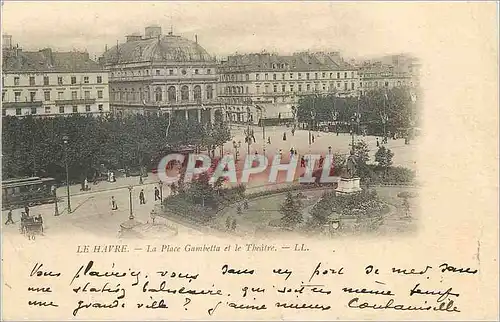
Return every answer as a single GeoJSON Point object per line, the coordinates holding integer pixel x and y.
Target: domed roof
{"type": "Point", "coordinates": [165, 48]}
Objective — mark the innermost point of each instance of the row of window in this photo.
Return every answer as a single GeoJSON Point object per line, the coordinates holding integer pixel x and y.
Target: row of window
{"type": "Point", "coordinates": [46, 80]}
{"type": "Point", "coordinates": [62, 110]}
{"type": "Point", "coordinates": [158, 94]}
{"type": "Point", "coordinates": [159, 72]}
{"type": "Point", "coordinates": [376, 84]}
{"type": "Point", "coordinates": [291, 88]}
{"type": "Point", "coordinates": [47, 95]}
{"type": "Point", "coordinates": [283, 76]}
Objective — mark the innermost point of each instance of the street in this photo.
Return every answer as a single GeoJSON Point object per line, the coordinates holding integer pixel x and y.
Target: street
{"type": "Point", "coordinates": [92, 214]}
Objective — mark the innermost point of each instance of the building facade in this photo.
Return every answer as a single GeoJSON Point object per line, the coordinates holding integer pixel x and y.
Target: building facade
{"type": "Point", "coordinates": [389, 72]}
{"type": "Point", "coordinates": [264, 85]}
{"type": "Point", "coordinates": [167, 74]}
{"type": "Point", "coordinates": [48, 83]}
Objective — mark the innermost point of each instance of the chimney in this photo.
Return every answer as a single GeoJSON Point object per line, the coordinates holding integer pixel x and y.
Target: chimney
{"type": "Point", "coordinates": [196, 38]}
{"type": "Point", "coordinates": [152, 32]}
{"type": "Point", "coordinates": [47, 54]}
{"type": "Point", "coordinates": [6, 41]}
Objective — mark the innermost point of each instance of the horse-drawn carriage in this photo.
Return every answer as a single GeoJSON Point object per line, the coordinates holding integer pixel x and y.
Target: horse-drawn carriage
{"type": "Point", "coordinates": [31, 226]}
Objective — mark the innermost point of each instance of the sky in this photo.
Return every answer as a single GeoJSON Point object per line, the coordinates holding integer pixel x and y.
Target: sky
{"type": "Point", "coordinates": [223, 28]}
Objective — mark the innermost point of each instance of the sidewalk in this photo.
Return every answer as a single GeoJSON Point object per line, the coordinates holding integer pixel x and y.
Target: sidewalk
{"type": "Point", "coordinates": [121, 183]}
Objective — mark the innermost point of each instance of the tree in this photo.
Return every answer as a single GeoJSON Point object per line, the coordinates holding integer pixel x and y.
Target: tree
{"type": "Point", "coordinates": [384, 158]}
{"type": "Point", "coordinates": [201, 191]}
{"type": "Point", "coordinates": [338, 163]}
{"type": "Point", "coordinates": [291, 210]}
{"type": "Point", "coordinates": [220, 134]}
{"type": "Point", "coordinates": [361, 152]}
{"type": "Point", "coordinates": [362, 155]}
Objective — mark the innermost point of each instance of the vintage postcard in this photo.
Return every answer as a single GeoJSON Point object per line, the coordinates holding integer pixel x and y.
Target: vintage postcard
{"type": "Point", "coordinates": [249, 160]}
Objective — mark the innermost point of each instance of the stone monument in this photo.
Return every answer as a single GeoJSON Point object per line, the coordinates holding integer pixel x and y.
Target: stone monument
{"type": "Point", "coordinates": [349, 183]}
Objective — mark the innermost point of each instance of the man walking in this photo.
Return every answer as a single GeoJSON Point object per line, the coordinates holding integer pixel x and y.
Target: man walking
{"type": "Point", "coordinates": [157, 194]}
{"type": "Point", "coordinates": [9, 218]}
{"type": "Point", "coordinates": [142, 201]}
{"type": "Point", "coordinates": [114, 206]}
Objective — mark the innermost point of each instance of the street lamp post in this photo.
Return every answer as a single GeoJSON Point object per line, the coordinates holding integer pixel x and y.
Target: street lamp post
{"type": "Point", "coordinates": [56, 207]}
{"type": "Point", "coordinates": [313, 117]}
{"type": "Point", "coordinates": [263, 131]}
{"type": "Point", "coordinates": [65, 141]}
{"type": "Point", "coordinates": [384, 115]}
{"type": "Point", "coordinates": [248, 130]}
{"type": "Point", "coordinates": [236, 147]}
{"type": "Point", "coordinates": [131, 215]}
{"type": "Point", "coordinates": [161, 191]}
{"type": "Point", "coordinates": [352, 132]}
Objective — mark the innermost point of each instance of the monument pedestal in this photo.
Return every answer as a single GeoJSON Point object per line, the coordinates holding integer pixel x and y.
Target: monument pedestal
{"type": "Point", "coordinates": [347, 186]}
{"type": "Point", "coordinates": [129, 224]}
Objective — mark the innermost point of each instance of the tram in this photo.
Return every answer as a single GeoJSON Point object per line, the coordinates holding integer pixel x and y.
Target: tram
{"type": "Point", "coordinates": [27, 191]}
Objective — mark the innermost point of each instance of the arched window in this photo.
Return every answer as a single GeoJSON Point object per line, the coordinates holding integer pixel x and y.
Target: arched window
{"type": "Point", "coordinates": [210, 93]}
{"type": "Point", "coordinates": [158, 97]}
{"type": "Point", "coordinates": [171, 94]}
{"type": "Point", "coordinates": [184, 93]}
{"type": "Point", "coordinates": [197, 93]}
{"type": "Point", "coordinates": [133, 95]}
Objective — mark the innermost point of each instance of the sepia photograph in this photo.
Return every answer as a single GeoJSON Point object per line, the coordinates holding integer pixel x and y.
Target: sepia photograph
{"type": "Point", "coordinates": [84, 134]}
{"type": "Point", "coordinates": [157, 128]}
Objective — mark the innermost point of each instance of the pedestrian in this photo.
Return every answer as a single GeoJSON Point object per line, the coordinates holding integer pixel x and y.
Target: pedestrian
{"type": "Point", "coordinates": [233, 225]}
{"type": "Point", "coordinates": [293, 131]}
{"type": "Point", "coordinates": [329, 150]}
{"type": "Point", "coordinates": [9, 218]}
{"type": "Point", "coordinates": [268, 140]}
{"type": "Point", "coordinates": [378, 144]}
{"type": "Point", "coordinates": [302, 162]}
{"type": "Point", "coordinates": [312, 138]}
{"type": "Point", "coordinates": [284, 136]}
{"type": "Point", "coordinates": [86, 184]}
{"type": "Point", "coordinates": [321, 161]}
{"type": "Point", "coordinates": [157, 194]}
{"type": "Point", "coordinates": [291, 152]}
{"type": "Point", "coordinates": [114, 206]}
{"type": "Point", "coordinates": [153, 216]}
{"type": "Point", "coordinates": [40, 220]}
{"type": "Point", "coordinates": [253, 136]}
{"type": "Point", "coordinates": [142, 201]}
{"type": "Point", "coordinates": [295, 152]}
{"type": "Point", "coordinates": [140, 179]}
{"type": "Point", "coordinates": [27, 210]}
{"type": "Point", "coordinates": [109, 176]}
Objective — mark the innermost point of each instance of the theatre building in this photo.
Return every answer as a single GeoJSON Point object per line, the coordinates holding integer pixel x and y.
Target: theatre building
{"type": "Point", "coordinates": [48, 83]}
{"type": "Point", "coordinates": [157, 73]}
